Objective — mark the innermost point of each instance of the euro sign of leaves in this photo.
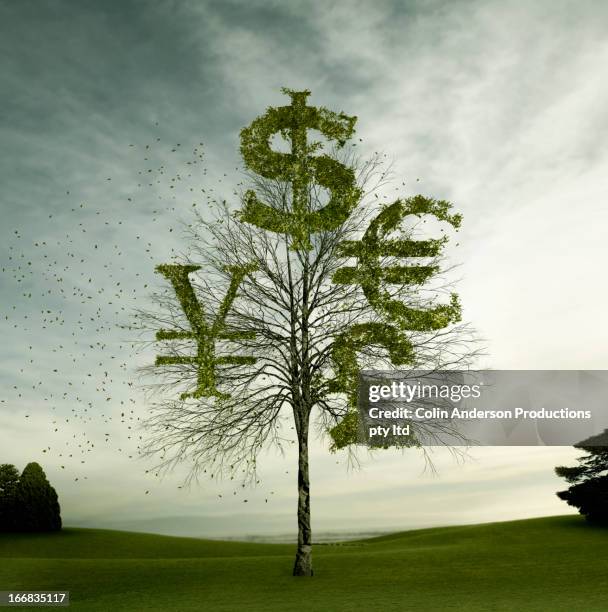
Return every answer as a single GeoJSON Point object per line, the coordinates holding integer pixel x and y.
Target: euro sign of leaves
{"type": "Point", "coordinates": [300, 168]}
{"type": "Point", "coordinates": [202, 332]}
{"type": "Point", "coordinates": [371, 272]}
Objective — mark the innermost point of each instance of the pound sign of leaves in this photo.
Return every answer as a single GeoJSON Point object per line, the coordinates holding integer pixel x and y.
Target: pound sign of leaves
{"type": "Point", "coordinates": [300, 168]}
{"type": "Point", "coordinates": [204, 334]}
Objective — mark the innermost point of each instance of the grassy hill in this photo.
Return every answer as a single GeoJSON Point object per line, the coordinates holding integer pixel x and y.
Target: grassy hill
{"type": "Point", "coordinates": [550, 564]}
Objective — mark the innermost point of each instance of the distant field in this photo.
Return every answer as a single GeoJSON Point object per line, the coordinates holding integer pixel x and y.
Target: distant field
{"type": "Point", "coordinates": [549, 565]}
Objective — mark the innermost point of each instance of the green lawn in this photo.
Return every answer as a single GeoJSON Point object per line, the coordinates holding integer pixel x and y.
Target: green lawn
{"type": "Point", "coordinates": [549, 565]}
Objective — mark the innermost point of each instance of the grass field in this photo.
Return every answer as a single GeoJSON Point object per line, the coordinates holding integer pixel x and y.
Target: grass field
{"type": "Point", "coordinates": [550, 565]}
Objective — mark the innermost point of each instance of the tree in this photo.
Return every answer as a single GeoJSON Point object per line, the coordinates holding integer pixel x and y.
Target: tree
{"type": "Point", "coordinates": [9, 478]}
{"type": "Point", "coordinates": [279, 325]}
{"type": "Point", "coordinates": [36, 501]}
{"type": "Point", "coordinates": [589, 490]}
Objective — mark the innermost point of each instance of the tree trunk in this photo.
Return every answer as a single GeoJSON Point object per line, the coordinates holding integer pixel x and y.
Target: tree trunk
{"type": "Point", "coordinates": [303, 564]}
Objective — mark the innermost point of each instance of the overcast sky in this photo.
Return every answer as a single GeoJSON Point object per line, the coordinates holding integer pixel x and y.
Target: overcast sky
{"type": "Point", "coordinates": [500, 107]}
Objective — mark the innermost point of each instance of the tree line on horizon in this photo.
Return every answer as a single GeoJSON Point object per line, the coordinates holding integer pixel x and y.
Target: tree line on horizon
{"type": "Point", "coordinates": [28, 502]}
{"type": "Point", "coordinates": [589, 480]}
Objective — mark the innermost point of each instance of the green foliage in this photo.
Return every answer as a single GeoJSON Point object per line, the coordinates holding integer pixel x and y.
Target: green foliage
{"type": "Point", "coordinates": [300, 168]}
{"type": "Point", "coordinates": [9, 479]}
{"type": "Point", "coordinates": [370, 273]}
{"type": "Point", "coordinates": [346, 345]}
{"type": "Point", "coordinates": [36, 501]}
{"type": "Point", "coordinates": [204, 334]}
{"type": "Point", "coordinates": [589, 490]}
{"type": "Point", "coordinates": [346, 432]}
{"type": "Point", "coordinates": [294, 217]}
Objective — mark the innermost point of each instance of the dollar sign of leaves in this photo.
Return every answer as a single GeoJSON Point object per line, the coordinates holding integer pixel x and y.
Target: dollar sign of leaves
{"type": "Point", "coordinates": [299, 168]}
